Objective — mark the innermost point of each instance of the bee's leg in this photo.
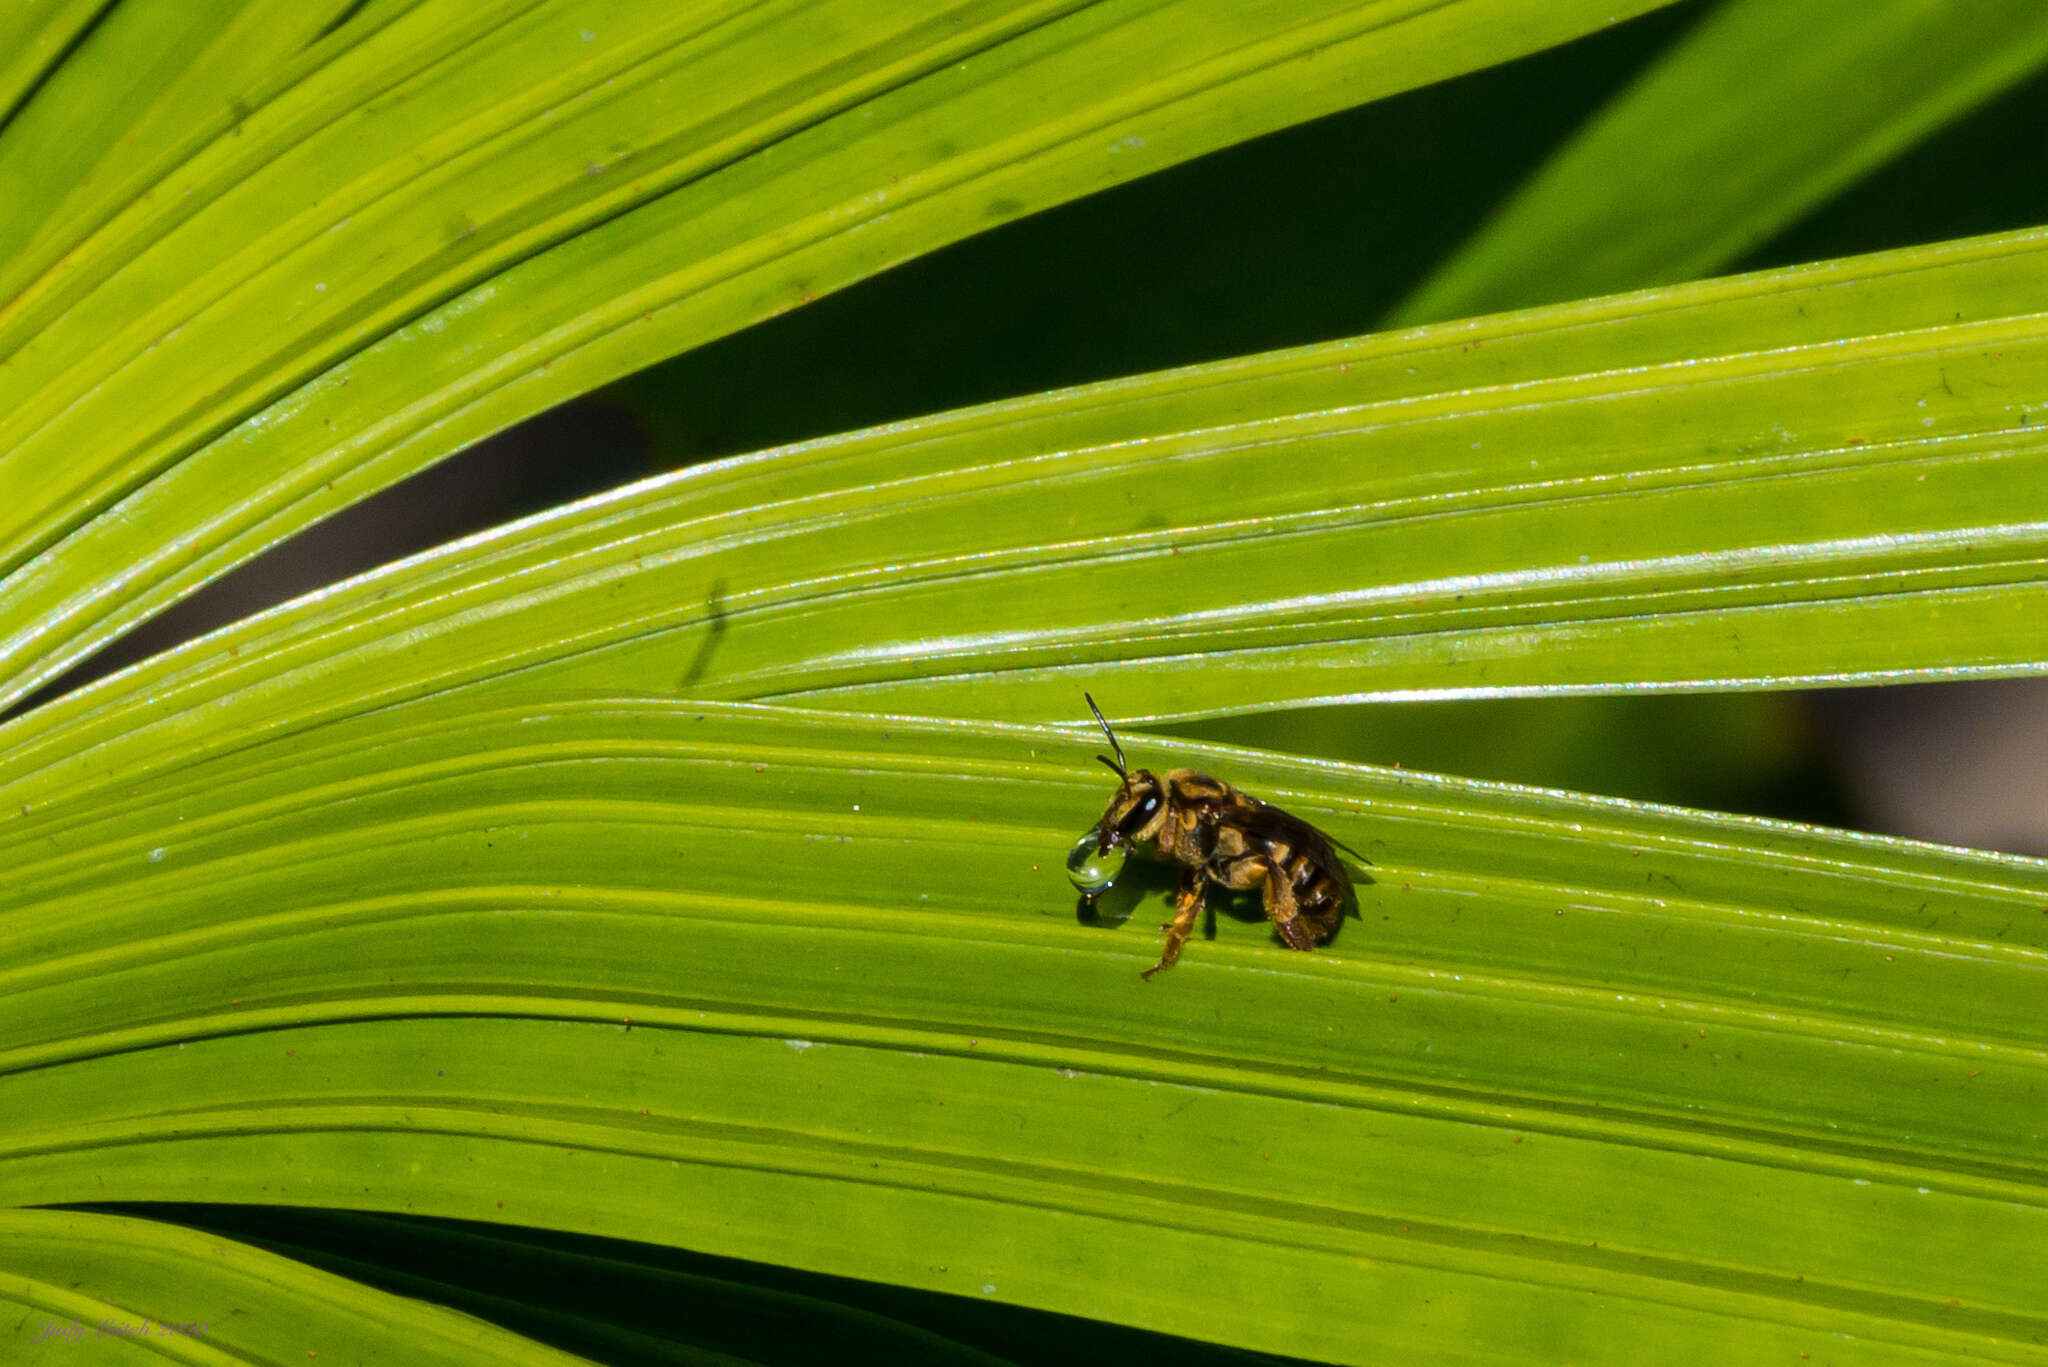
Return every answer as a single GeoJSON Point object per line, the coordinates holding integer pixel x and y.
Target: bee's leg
{"type": "Point", "coordinates": [1186, 908]}
{"type": "Point", "coordinates": [1283, 908]}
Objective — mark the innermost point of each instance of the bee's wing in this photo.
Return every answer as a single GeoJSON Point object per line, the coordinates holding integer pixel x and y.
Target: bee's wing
{"type": "Point", "coordinates": [1267, 821]}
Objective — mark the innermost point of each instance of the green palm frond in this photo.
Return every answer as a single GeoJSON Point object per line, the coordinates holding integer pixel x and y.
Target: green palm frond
{"type": "Point", "coordinates": [683, 866]}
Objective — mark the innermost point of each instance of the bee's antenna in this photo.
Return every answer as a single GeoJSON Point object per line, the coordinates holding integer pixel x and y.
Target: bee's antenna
{"type": "Point", "coordinates": [1122, 770]}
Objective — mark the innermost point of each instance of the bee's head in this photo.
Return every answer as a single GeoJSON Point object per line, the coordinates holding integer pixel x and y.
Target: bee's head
{"type": "Point", "coordinates": [1135, 814]}
{"type": "Point", "coordinates": [1138, 811]}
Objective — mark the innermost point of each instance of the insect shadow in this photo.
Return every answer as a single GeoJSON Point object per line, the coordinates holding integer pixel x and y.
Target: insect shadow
{"type": "Point", "coordinates": [714, 636]}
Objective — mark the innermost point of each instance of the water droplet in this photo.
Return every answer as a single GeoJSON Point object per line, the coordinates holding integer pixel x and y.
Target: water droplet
{"type": "Point", "coordinates": [1091, 871]}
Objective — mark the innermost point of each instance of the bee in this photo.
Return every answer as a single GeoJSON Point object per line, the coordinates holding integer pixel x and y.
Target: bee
{"type": "Point", "coordinates": [1217, 835]}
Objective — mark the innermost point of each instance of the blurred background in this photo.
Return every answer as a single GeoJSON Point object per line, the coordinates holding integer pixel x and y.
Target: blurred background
{"type": "Point", "coordinates": [1310, 234]}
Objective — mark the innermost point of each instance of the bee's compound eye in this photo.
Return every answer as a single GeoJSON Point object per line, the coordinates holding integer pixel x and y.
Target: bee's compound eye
{"type": "Point", "coordinates": [1089, 869]}
{"type": "Point", "coordinates": [1136, 818]}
